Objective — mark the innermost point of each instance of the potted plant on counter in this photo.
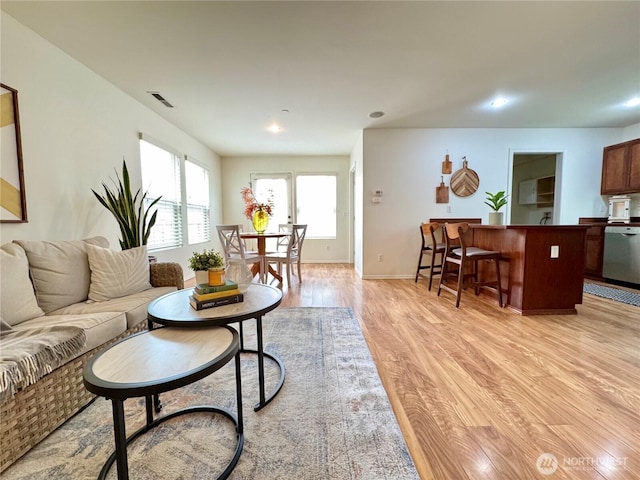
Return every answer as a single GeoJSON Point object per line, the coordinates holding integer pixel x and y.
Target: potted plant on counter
{"type": "Point", "coordinates": [208, 266]}
{"type": "Point", "coordinates": [496, 201]}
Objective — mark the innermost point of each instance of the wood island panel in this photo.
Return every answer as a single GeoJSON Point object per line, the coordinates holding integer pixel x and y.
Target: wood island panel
{"type": "Point", "coordinates": [535, 283]}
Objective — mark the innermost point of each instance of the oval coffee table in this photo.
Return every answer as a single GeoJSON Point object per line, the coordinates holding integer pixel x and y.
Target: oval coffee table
{"type": "Point", "coordinates": [174, 310]}
{"type": "Point", "coordinates": [157, 361]}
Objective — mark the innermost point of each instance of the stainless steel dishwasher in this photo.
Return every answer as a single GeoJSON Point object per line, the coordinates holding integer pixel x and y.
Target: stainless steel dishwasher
{"type": "Point", "coordinates": [622, 253]}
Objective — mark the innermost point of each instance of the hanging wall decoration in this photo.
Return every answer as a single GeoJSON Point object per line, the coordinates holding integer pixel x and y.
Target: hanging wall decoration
{"type": "Point", "coordinates": [464, 182]}
{"type": "Point", "coordinates": [13, 202]}
{"type": "Point", "coordinates": [442, 192]}
{"type": "Point", "coordinates": [446, 165]}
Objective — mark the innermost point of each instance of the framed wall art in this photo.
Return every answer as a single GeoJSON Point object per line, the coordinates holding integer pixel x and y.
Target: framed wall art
{"type": "Point", "coordinates": [13, 203]}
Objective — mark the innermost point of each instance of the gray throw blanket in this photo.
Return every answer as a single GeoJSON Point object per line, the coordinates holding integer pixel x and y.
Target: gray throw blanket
{"type": "Point", "coordinates": [28, 355]}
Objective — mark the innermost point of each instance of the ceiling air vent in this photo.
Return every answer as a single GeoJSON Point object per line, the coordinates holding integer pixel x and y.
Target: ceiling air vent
{"type": "Point", "coordinates": [161, 99]}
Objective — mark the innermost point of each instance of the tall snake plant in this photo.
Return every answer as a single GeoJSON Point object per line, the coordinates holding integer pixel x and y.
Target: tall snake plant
{"type": "Point", "coordinates": [129, 211]}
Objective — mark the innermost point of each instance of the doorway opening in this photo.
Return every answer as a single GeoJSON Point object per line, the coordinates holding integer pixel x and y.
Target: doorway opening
{"type": "Point", "coordinates": [535, 188]}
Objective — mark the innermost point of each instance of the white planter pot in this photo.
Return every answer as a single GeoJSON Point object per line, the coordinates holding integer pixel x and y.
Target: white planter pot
{"type": "Point", "coordinates": [495, 218]}
{"type": "Point", "coordinates": [202, 276]}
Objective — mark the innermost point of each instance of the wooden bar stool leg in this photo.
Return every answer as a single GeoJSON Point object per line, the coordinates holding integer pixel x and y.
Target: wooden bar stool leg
{"type": "Point", "coordinates": [433, 258]}
{"type": "Point", "coordinates": [499, 286]}
{"type": "Point", "coordinates": [419, 265]}
{"type": "Point", "coordinates": [460, 283]}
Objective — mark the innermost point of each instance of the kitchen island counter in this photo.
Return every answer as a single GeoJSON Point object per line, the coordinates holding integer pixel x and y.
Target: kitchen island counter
{"type": "Point", "coordinates": [542, 265]}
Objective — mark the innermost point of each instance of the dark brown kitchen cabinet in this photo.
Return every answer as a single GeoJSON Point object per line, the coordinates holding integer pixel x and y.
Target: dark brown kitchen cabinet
{"type": "Point", "coordinates": [593, 246]}
{"type": "Point", "coordinates": [621, 168]}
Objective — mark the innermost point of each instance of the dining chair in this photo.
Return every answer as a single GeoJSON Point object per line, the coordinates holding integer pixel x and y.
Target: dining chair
{"type": "Point", "coordinates": [283, 242]}
{"type": "Point", "coordinates": [234, 247]}
{"type": "Point", "coordinates": [293, 253]}
{"type": "Point", "coordinates": [457, 252]}
{"type": "Point", "coordinates": [434, 248]}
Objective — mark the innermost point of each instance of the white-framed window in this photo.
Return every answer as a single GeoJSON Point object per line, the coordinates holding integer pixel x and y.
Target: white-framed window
{"type": "Point", "coordinates": [316, 204]}
{"type": "Point", "coordinates": [161, 178]}
{"type": "Point", "coordinates": [198, 203]}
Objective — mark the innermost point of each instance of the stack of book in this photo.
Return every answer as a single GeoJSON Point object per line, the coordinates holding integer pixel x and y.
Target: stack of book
{"type": "Point", "coordinates": [206, 296]}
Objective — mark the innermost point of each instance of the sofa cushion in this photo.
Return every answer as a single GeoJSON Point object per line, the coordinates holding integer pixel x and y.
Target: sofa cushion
{"type": "Point", "coordinates": [117, 274]}
{"type": "Point", "coordinates": [99, 328]}
{"type": "Point", "coordinates": [17, 299]}
{"type": "Point", "coordinates": [134, 306]}
{"type": "Point", "coordinates": [60, 270]}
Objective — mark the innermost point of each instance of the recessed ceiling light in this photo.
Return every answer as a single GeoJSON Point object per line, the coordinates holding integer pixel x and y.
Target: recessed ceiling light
{"type": "Point", "coordinates": [377, 114]}
{"type": "Point", "coordinates": [274, 128]}
{"type": "Point", "coordinates": [498, 102]}
{"type": "Point", "coordinates": [634, 102]}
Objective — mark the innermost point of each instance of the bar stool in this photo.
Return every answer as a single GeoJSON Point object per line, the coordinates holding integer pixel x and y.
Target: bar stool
{"type": "Point", "coordinates": [458, 253]}
{"type": "Point", "coordinates": [434, 248]}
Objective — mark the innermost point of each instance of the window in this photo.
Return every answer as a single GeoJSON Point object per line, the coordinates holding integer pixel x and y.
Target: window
{"type": "Point", "coordinates": [161, 178]}
{"type": "Point", "coordinates": [198, 207]}
{"type": "Point", "coordinates": [316, 198]}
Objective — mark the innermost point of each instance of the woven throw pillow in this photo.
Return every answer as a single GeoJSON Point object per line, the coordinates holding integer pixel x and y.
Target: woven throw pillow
{"type": "Point", "coordinates": [117, 274]}
{"type": "Point", "coordinates": [17, 299]}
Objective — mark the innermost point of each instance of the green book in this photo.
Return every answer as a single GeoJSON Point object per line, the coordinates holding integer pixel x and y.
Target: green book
{"type": "Point", "coordinates": [204, 288]}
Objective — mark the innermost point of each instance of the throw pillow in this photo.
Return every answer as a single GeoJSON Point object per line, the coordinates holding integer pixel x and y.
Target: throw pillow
{"type": "Point", "coordinates": [17, 298]}
{"type": "Point", "coordinates": [60, 270]}
{"type": "Point", "coordinates": [117, 274]}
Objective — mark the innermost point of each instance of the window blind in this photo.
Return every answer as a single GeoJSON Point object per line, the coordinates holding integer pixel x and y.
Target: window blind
{"type": "Point", "coordinates": [161, 178]}
{"type": "Point", "coordinates": [198, 203]}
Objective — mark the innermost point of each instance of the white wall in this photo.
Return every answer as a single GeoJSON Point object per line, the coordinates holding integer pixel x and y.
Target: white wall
{"type": "Point", "coordinates": [76, 129]}
{"type": "Point", "coordinates": [406, 165]}
{"type": "Point", "coordinates": [236, 173]}
{"type": "Point", "coordinates": [630, 133]}
{"type": "Point", "coordinates": [357, 165]}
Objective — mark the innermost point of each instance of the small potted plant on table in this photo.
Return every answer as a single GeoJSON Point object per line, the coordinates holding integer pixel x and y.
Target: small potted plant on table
{"type": "Point", "coordinates": [496, 201]}
{"type": "Point", "coordinates": [208, 266]}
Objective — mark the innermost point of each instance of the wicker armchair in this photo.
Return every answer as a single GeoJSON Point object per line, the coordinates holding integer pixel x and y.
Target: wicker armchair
{"type": "Point", "coordinates": [36, 411]}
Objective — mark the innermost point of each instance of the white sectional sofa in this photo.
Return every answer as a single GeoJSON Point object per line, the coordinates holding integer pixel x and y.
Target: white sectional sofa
{"type": "Point", "coordinates": [60, 302]}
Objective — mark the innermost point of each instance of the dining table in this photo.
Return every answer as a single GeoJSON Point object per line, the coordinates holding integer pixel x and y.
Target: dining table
{"type": "Point", "coordinates": [262, 251]}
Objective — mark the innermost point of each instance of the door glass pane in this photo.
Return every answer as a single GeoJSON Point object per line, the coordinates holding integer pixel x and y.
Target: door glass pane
{"type": "Point", "coordinates": [276, 188]}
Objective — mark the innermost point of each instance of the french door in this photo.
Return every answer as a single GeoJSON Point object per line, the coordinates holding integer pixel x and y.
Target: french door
{"type": "Point", "coordinates": [278, 188]}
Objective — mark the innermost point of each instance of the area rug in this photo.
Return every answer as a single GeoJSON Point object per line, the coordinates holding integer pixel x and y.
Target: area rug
{"type": "Point", "coordinates": [616, 294]}
{"type": "Point", "coordinates": [331, 420]}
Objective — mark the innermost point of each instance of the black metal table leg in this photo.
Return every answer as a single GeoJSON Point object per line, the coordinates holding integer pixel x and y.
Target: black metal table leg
{"type": "Point", "coordinates": [260, 359]}
{"type": "Point", "coordinates": [121, 442]}
{"type": "Point", "coordinates": [264, 400]}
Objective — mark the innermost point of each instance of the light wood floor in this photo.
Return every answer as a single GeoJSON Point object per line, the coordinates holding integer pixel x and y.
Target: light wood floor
{"type": "Point", "coordinates": [481, 392]}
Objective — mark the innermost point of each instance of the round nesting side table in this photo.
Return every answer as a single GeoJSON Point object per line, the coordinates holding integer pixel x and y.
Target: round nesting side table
{"type": "Point", "coordinates": [174, 310]}
{"type": "Point", "coordinates": [157, 361]}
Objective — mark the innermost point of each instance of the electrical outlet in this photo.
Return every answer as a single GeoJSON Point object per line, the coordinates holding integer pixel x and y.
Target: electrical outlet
{"type": "Point", "coordinates": [555, 251]}
{"type": "Point", "coordinates": [326, 247]}
{"type": "Point", "coordinates": [448, 208]}
{"type": "Point", "coordinates": [380, 257]}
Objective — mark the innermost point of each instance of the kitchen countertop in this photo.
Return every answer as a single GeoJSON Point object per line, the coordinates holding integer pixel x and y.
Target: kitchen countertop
{"type": "Point", "coordinates": [600, 221]}
{"type": "Point", "coordinates": [528, 227]}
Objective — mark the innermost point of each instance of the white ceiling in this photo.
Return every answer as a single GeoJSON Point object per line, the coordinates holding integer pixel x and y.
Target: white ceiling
{"type": "Point", "coordinates": [230, 68]}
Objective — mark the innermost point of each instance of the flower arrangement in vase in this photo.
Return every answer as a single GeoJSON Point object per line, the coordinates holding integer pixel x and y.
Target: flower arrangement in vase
{"type": "Point", "coordinates": [257, 212]}
{"type": "Point", "coordinates": [208, 266]}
